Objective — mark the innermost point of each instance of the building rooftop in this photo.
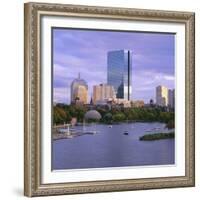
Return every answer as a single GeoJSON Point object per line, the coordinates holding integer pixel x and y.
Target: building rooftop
{"type": "Point", "coordinates": [80, 81]}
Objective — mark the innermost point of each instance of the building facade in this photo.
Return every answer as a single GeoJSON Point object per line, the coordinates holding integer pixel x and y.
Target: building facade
{"type": "Point", "coordinates": [162, 96]}
{"type": "Point", "coordinates": [102, 93]}
{"type": "Point", "coordinates": [79, 91]}
{"type": "Point", "coordinates": [137, 104]}
{"type": "Point", "coordinates": [119, 72]}
{"type": "Point", "coordinates": [171, 98]}
{"type": "Point", "coordinates": [81, 94]}
{"type": "Point", "coordinates": [122, 102]}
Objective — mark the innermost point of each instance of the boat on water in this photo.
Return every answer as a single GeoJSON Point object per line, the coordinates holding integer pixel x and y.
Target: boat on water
{"type": "Point", "coordinates": [94, 132]}
{"type": "Point", "coordinates": [90, 132]}
{"type": "Point", "coordinates": [125, 133]}
{"type": "Point", "coordinates": [157, 128]}
{"type": "Point", "coordinates": [110, 126]}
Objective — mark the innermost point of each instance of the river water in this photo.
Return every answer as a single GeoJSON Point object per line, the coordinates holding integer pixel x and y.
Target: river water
{"type": "Point", "coordinates": [109, 147]}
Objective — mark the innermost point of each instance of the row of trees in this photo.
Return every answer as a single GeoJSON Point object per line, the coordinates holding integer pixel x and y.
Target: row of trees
{"type": "Point", "coordinates": [64, 113]}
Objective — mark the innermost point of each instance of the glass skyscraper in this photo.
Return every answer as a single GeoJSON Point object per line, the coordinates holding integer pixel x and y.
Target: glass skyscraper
{"type": "Point", "coordinates": [119, 72]}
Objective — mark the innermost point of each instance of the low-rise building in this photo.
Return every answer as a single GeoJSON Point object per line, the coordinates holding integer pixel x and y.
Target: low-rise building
{"type": "Point", "coordinates": [102, 92]}
{"type": "Point", "coordinates": [137, 104]}
{"type": "Point", "coordinates": [124, 102]}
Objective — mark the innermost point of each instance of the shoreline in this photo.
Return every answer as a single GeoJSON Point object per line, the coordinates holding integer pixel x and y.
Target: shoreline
{"type": "Point", "coordinates": [157, 136]}
{"type": "Point", "coordinates": [152, 135]}
{"type": "Point", "coordinates": [58, 136]}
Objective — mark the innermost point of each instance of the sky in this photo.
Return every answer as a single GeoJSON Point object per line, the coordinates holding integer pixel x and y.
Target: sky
{"type": "Point", "coordinates": [85, 52]}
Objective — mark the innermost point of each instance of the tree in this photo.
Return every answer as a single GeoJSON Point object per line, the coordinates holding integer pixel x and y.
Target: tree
{"type": "Point", "coordinates": [59, 115]}
{"type": "Point", "coordinates": [107, 118]}
{"type": "Point", "coordinates": [119, 117]}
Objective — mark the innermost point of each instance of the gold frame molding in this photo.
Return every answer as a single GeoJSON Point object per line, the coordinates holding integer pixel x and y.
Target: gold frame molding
{"type": "Point", "coordinates": [32, 93]}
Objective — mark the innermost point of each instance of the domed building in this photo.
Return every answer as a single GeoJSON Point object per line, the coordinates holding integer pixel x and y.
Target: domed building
{"type": "Point", "coordinates": [92, 115]}
{"type": "Point", "coordinates": [79, 90]}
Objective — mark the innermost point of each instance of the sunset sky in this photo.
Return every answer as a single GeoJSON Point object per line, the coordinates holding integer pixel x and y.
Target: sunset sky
{"type": "Point", "coordinates": [85, 51]}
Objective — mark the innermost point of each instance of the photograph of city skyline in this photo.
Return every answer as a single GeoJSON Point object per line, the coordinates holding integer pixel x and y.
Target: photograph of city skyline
{"type": "Point", "coordinates": [113, 98]}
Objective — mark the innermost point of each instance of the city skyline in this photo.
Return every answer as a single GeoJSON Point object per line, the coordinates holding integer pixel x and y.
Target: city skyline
{"type": "Point", "coordinates": [74, 52]}
{"type": "Point", "coordinates": [103, 92]}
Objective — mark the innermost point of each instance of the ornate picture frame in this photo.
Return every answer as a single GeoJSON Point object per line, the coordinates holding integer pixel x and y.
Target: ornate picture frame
{"type": "Point", "coordinates": [33, 93]}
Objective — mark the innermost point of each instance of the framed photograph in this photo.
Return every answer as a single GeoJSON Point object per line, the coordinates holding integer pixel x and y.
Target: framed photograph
{"type": "Point", "coordinates": [109, 99]}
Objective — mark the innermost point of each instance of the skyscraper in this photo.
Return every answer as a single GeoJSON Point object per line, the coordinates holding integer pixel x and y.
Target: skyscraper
{"type": "Point", "coordinates": [80, 94]}
{"type": "Point", "coordinates": [171, 98]}
{"type": "Point", "coordinates": [79, 90]}
{"type": "Point", "coordinates": [162, 96]}
{"type": "Point", "coordinates": [119, 72]}
{"type": "Point", "coordinates": [102, 93]}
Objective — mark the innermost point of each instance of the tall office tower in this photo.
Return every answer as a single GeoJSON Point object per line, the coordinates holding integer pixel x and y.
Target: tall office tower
{"type": "Point", "coordinates": [161, 96]}
{"type": "Point", "coordinates": [171, 98]}
{"type": "Point", "coordinates": [119, 72]}
{"type": "Point", "coordinates": [81, 94]}
{"type": "Point", "coordinates": [79, 90]}
{"type": "Point", "coordinates": [102, 93]}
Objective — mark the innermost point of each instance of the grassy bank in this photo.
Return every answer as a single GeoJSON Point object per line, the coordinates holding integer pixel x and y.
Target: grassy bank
{"type": "Point", "coordinates": [157, 136]}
